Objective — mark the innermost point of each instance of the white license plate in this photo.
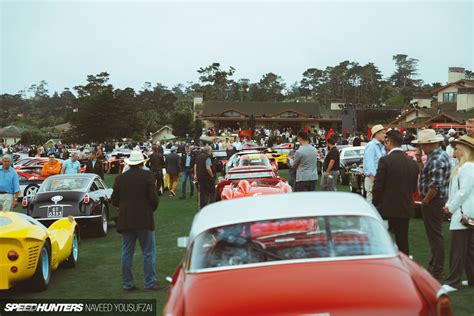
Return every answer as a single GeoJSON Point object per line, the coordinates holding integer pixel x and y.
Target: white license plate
{"type": "Point", "coordinates": [55, 211]}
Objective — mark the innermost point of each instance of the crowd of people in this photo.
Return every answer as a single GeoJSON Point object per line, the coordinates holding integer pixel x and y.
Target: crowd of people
{"type": "Point", "coordinates": [443, 174]}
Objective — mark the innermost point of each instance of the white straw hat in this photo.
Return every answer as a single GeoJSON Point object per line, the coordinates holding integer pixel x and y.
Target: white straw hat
{"type": "Point", "coordinates": [428, 136]}
{"type": "Point", "coordinates": [136, 158]}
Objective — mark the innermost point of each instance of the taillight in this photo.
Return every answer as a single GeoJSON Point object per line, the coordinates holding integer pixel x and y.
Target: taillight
{"type": "Point", "coordinates": [86, 199]}
{"type": "Point", "coordinates": [24, 201]}
{"type": "Point", "coordinates": [12, 255]}
{"type": "Point", "coordinates": [443, 306]}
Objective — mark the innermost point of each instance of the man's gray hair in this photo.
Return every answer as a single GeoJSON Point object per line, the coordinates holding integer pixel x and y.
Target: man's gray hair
{"type": "Point", "coordinates": [7, 157]}
{"type": "Point", "coordinates": [207, 149]}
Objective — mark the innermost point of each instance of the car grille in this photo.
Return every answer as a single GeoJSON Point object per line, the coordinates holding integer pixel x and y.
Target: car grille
{"type": "Point", "coordinates": [33, 253]}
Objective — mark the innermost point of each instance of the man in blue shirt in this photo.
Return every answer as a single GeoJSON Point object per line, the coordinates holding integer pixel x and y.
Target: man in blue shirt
{"type": "Point", "coordinates": [9, 185]}
{"type": "Point", "coordinates": [72, 165]}
{"type": "Point", "coordinates": [187, 165]}
{"type": "Point", "coordinates": [374, 150]}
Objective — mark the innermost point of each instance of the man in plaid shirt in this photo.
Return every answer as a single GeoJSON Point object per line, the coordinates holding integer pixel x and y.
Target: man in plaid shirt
{"type": "Point", "coordinates": [434, 186]}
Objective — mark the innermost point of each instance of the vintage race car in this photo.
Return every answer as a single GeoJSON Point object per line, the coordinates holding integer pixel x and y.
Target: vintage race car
{"type": "Point", "coordinates": [258, 174]}
{"type": "Point", "coordinates": [83, 196]}
{"type": "Point", "coordinates": [344, 263]}
{"type": "Point", "coordinates": [29, 251]}
{"type": "Point", "coordinates": [115, 161]}
{"type": "Point", "coordinates": [30, 182]}
{"type": "Point", "coordinates": [280, 153]}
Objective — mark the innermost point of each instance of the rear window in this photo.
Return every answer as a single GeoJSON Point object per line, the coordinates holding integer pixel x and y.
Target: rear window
{"type": "Point", "coordinates": [64, 184]}
{"type": "Point", "coordinates": [289, 240]}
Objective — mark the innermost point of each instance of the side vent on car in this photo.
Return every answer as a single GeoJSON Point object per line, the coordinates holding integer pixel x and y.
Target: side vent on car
{"type": "Point", "coordinates": [33, 253]}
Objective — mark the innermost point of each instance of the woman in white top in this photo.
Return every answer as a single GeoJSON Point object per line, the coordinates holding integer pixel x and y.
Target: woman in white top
{"type": "Point", "coordinates": [461, 199]}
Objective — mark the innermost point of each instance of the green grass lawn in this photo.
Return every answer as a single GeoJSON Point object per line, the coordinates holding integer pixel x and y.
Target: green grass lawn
{"type": "Point", "coordinates": [98, 273]}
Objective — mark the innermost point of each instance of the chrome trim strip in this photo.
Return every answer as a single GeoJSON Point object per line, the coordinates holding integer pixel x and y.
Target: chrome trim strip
{"type": "Point", "coordinates": [75, 217]}
{"type": "Point", "coordinates": [281, 262]}
{"type": "Point", "coordinates": [418, 202]}
{"type": "Point", "coordinates": [46, 206]}
{"type": "Point", "coordinates": [440, 293]}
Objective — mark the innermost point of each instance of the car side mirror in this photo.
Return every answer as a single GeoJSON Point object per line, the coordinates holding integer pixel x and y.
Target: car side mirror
{"type": "Point", "coordinates": [183, 242]}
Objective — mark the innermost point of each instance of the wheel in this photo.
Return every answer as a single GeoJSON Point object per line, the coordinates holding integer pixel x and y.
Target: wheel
{"type": "Point", "coordinates": [31, 190]}
{"type": "Point", "coordinates": [42, 276]}
{"type": "Point", "coordinates": [102, 225]}
{"type": "Point", "coordinates": [72, 259]}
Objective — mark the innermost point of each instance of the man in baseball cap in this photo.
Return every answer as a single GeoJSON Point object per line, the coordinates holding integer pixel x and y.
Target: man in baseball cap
{"type": "Point", "coordinates": [374, 150]}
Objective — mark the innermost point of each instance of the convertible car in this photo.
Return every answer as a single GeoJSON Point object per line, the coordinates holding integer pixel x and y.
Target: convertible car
{"type": "Point", "coordinates": [339, 260]}
{"type": "Point", "coordinates": [83, 196]}
{"type": "Point", "coordinates": [29, 251]}
{"type": "Point", "coordinates": [244, 189]}
{"type": "Point", "coordinates": [254, 174]}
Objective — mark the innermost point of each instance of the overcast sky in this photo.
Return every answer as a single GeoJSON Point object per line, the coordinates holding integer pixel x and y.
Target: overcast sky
{"type": "Point", "coordinates": [136, 41]}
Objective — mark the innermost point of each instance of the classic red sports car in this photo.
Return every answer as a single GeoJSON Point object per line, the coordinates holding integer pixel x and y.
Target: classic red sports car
{"type": "Point", "coordinates": [259, 175]}
{"type": "Point", "coordinates": [244, 188]}
{"type": "Point", "coordinates": [30, 182]}
{"type": "Point", "coordinates": [345, 263]}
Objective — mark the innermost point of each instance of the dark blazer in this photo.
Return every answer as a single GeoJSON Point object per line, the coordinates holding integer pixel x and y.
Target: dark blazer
{"type": "Point", "coordinates": [98, 168]}
{"type": "Point", "coordinates": [395, 182]}
{"type": "Point", "coordinates": [183, 160]}
{"type": "Point", "coordinates": [156, 163]}
{"type": "Point", "coordinates": [173, 164]}
{"type": "Point", "coordinates": [136, 197]}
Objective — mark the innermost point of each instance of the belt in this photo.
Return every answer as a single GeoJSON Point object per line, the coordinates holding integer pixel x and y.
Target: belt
{"type": "Point", "coordinates": [5, 193]}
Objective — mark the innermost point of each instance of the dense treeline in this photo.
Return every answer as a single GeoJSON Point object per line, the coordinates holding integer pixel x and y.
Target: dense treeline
{"type": "Point", "coordinates": [99, 112]}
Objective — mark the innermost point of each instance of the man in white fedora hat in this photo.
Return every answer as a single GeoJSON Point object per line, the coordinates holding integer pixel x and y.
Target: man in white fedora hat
{"type": "Point", "coordinates": [434, 186]}
{"type": "Point", "coordinates": [136, 197]}
{"type": "Point", "coordinates": [374, 150]}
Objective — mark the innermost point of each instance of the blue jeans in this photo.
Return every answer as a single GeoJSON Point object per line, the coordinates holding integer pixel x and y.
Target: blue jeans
{"type": "Point", "coordinates": [146, 238]}
{"type": "Point", "coordinates": [187, 174]}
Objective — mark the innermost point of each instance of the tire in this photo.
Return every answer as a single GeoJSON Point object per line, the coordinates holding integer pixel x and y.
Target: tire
{"type": "Point", "coordinates": [71, 261]}
{"type": "Point", "coordinates": [31, 190]}
{"type": "Point", "coordinates": [102, 225]}
{"type": "Point", "coordinates": [42, 276]}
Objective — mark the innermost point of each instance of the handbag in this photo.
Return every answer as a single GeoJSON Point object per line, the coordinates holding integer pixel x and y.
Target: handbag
{"type": "Point", "coordinates": [466, 220]}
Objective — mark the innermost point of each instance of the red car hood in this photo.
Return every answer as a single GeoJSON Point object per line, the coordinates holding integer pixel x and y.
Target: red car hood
{"type": "Point", "coordinates": [353, 287]}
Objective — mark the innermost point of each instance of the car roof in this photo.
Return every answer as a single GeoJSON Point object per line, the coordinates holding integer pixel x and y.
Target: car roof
{"type": "Point", "coordinates": [74, 175]}
{"type": "Point", "coordinates": [352, 148]}
{"type": "Point", "coordinates": [267, 207]}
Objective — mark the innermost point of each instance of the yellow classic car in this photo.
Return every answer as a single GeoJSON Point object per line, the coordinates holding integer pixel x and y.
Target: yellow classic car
{"type": "Point", "coordinates": [280, 153]}
{"type": "Point", "coordinates": [29, 251]}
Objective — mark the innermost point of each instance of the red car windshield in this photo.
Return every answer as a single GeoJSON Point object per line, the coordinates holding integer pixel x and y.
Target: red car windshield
{"type": "Point", "coordinates": [290, 239]}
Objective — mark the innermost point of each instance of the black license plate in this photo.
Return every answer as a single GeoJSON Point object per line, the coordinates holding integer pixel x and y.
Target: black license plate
{"type": "Point", "coordinates": [55, 211]}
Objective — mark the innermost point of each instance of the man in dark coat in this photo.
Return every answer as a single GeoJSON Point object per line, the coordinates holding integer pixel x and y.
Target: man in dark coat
{"type": "Point", "coordinates": [94, 165]}
{"type": "Point", "coordinates": [156, 163]}
{"type": "Point", "coordinates": [395, 182]}
{"type": "Point", "coordinates": [205, 176]}
{"type": "Point", "coordinates": [136, 198]}
{"type": "Point", "coordinates": [187, 166]}
{"type": "Point", "coordinates": [173, 166]}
